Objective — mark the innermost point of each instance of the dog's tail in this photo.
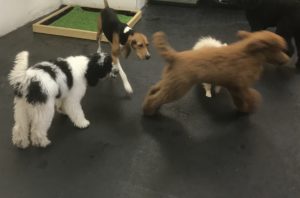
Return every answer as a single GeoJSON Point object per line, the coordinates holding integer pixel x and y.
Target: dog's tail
{"type": "Point", "coordinates": [106, 4]}
{"type": "Point", "coordinates": [17, 74]}
{"type": "Point", "coordinates": [163, 47]}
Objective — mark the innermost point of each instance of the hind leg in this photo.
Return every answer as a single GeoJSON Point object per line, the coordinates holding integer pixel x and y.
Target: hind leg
{"type": "Point", "coordinates": [246, 99]}
{"type": "Point", "coordinates": [20, 131]}
{"type": "Point", "coordinates": [99, 34]}
{"type": "Point", "coordinates": [207, 88]}
{"type": "Point", "coordinates": [162, 93]}
{"type": "Point", "coordinates": [218, 89]}
{"type": "Point", "coordinates": [42, 118]}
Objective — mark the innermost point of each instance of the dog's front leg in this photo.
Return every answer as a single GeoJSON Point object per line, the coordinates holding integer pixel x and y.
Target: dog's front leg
{"type": "Point", "coordinates": [125, 81]}
{"type": "Point", "coordinates": [99, 34]}
{"type": "Point", "coordinates": [116, 52]}
{"type": "Point", "coordinates": [72, 107]}
{"type": "Point", "coordinates": [207, 88]}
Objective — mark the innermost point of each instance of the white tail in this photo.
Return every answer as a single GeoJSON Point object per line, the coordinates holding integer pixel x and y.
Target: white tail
{"type": "Point", "coordinates": [17, 74]}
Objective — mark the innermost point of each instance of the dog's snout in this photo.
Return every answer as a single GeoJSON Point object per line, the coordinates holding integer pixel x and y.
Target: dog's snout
{"type": "Point", "coordinates": [148, 56]}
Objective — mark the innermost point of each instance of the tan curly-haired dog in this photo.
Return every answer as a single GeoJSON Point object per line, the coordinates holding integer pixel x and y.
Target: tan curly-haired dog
{"type": "Point", "coordinates": [236, 67]}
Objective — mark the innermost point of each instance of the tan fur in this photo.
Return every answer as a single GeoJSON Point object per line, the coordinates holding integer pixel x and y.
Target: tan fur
{"type": "Point", "coordinates": [236, 67]}
{"type": "Point", "coordinates": [138, 42]}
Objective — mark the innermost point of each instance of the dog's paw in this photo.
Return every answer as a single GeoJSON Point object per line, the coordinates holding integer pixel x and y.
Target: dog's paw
{"type": "Point", "coordinates": [20, 143]}
{"type": "Point", "coordinates": [82, 124]}
{"type": "Point", "coordinates": [128, 89]}
{"type": "Point", "coordinates": [20, 138]}
{"type": "Point", "coordinates": [40, 141]}
{"type": "Point", "coordinates": [112, 75]}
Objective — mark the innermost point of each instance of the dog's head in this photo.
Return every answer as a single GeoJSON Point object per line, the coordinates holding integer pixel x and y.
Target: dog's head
{"type": "Point", "coordinates": [139, 43]}
{"type": "Point", "coordinates": [270, 45]}
{"type": "Point", "coordinates": [99, 66]}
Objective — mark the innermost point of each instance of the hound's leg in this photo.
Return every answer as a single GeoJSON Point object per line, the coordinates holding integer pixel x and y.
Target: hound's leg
{"type": "Point", "coordinates": [117, 66]}
{"type": "Point", "coordinates": [115, 54]}
{"type": "Point", "coordinates": [207, 88]}
{"type": "Point", "coordinates": [99, 34]}
{"type": "Point", "coordinates": [125, 81]}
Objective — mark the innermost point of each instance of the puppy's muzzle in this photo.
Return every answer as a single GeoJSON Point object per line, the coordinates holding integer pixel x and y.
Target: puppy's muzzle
{"type": "Point", "coordinates": [148, 56]}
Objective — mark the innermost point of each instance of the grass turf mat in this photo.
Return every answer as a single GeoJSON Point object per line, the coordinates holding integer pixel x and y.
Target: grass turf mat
{"type": "Point", "coordinates": [81, 19]}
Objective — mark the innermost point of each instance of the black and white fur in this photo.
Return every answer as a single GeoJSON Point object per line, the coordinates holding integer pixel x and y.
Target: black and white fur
{"type": "Point", "coordinates": [40, 88]}
{"type": "Point", "coordinates": [208, 42]}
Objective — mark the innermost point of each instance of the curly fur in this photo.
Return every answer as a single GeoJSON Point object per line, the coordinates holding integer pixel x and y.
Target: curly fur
{"type": "Point", "coordinates": [236, 67]}
{"type": "Point", "coordinates": [207, 42]}
{"type": "Point", "coordinates": [42, 87]}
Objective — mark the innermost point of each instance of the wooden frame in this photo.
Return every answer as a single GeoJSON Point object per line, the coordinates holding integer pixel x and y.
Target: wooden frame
{"type": "Point", "coordinates": [40, 27]}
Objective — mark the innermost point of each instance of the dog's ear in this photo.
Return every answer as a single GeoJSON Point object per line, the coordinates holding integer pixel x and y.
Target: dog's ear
{"type": "Point", "coordinates": [133, 43]}
{"type": "Point", "coordinates": [127, 50]}
{"type": "Point", "coordinates": [243, 34]}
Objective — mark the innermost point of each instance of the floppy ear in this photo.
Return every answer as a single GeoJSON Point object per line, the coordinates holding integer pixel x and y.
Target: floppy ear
{"type": "Point", "coordinates": [127, 50]}
{"type": "Point", "coordinates": [243, 34]}
{"type": "Point", "coordinates": [133, 43]}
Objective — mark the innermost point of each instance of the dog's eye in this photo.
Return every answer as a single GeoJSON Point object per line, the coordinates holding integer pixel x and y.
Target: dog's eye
{"type": "Point", "coordinates": [140, 45]}
{"type": "Point", "coordinates": [147, 44]}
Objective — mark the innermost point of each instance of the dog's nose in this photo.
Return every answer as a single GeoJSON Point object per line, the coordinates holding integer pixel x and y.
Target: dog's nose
{"type": "Point", "coordinates": [148, 56]}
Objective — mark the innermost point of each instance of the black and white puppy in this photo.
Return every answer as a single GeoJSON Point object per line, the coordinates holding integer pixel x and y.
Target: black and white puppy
{"type": "Point", "coordinates": [40, 88]}
{"type": "Point", "coordinates": [282, 14]}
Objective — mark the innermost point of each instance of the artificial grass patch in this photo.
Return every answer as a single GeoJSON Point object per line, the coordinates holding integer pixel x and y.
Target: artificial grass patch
{"type": "Point", "coordinates": [81, 19]}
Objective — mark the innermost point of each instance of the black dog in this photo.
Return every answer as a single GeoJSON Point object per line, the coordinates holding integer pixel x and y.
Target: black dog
{"type": "Point", "coordinates": [282, 14]}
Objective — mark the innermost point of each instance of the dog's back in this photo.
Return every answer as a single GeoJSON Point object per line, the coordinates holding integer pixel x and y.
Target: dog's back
{"type": "Point", "coordinates": [243, 58]}
{"type": "Point", "coordinates": [38, 82]}
{"type": "Point", "coordinates": [57, 77]}
{"type": "Point", "coordinates": [110, 22]}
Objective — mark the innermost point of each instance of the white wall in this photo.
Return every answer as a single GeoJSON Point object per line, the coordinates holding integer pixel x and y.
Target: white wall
{"type": "Point", "coordinates": [16, 13]}
{"type": "Point", "coordinates": [116, 4]}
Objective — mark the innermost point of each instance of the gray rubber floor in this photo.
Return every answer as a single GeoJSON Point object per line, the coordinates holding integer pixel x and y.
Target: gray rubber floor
{"type": "Point", "coordinates": [197, 147]}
